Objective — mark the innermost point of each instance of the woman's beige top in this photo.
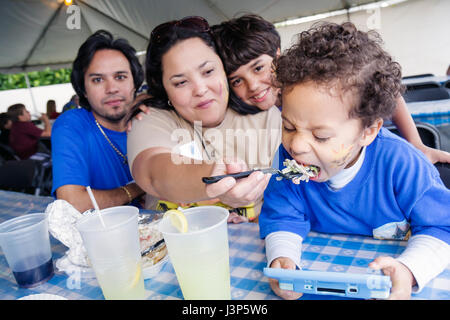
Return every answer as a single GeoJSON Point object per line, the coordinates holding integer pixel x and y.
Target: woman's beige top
{"type": "Point", "coordinates": [252, 138]}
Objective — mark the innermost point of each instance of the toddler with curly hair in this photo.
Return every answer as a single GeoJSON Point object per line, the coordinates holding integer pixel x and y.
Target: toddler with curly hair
{"type": "Point", "coordinates": [338, 85]}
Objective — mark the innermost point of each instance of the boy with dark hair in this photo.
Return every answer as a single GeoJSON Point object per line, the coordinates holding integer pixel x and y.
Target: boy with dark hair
{"type": "Point", "coordinates": [338, 85]}
{"type": "Point", "coordinates": [248, 45]}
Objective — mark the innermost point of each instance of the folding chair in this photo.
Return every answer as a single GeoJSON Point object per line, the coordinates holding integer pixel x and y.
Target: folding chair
{"type": "Point", "coordinates": [426, 94]}
{"type": "Point", "coordinates": [428, 133]}
{"type": "Point", "coordinates": [33, 175]}
{"type": "Point", "coordinates": [422, 85]}
{"type": "Point", "coordinates": [419, 76]}
{"type": "Point", "coordinates": [18, 175]}
{"type": "Point", "coordinates": [446, 84]}
{"type": "Point", "coordinates": [431, 137]}
{"type": "Point", "coordinates": [7, 153]}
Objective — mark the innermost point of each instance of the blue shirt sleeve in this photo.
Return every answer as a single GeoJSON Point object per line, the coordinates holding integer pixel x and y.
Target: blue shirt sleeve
{"type": "Point", "coordinates": [431, 213]}
{"type": "Point", "coordinates": [70, 166]}
{"type": "Point", "coordinates": [419, 192]}
{"type": "Point", "coordinates": [283, 209]}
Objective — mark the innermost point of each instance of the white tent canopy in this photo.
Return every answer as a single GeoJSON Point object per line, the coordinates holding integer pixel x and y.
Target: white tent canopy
{"type": "Point", "coordinates": [39, 33]}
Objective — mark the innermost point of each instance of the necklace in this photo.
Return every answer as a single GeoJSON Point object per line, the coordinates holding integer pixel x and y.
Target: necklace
{"type": "Point", "coordinates": [124, 157]}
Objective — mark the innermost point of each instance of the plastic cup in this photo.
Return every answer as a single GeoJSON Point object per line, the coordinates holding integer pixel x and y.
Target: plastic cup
{"type": "Point", "coordinates": [200, 256]}
{"type": "Point", "coordinates": [114, 251]}
{"type": "Point", "coordinates": [26, 244]}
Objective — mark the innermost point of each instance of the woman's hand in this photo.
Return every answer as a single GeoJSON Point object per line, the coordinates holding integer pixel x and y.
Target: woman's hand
{"type": "Point", "coordinates": [237, 193]}
{"type": "Point", "coordinates": [284, 263]}
{"type": "Point", "coordinates": [402, 279]}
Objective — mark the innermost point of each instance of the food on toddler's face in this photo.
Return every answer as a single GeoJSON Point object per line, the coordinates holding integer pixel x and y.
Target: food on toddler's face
{"type": "Point", "coordinates": [298, 172]}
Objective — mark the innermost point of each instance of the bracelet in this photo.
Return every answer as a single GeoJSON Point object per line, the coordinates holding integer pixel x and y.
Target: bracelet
{"type": "Point", "coordinates": [130, 198]}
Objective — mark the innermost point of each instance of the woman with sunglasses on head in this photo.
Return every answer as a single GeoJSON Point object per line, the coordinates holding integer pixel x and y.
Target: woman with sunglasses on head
{"type": "Point", "coordinates": [196, 127]}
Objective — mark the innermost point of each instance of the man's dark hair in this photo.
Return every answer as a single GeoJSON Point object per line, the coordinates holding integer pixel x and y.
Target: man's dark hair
{"type": "Point", "coordinates": [243, 39]}
{"type": "Point", "coordinates": [15, 111]}
{"type": "Point", "coordinates": [331, 54]}
{"type": "Point", "coordinates": [101, 40]}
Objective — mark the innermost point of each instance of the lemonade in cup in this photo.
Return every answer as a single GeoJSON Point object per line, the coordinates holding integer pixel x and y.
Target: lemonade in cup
{"type": "Point", "coordinates": [114, 251]}
{"type": "Point", "coordinates": [197, 243]}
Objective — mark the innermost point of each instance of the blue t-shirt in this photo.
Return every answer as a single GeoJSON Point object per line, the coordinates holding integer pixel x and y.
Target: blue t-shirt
{"type": "Point", "coordinates": [82, 155]}
{"type": "Point", "coordinates": [396, 188]}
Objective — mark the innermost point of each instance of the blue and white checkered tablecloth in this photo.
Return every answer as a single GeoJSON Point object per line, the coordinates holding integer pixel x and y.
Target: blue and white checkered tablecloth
{"type": "Point", "coordinates": [324, 252]}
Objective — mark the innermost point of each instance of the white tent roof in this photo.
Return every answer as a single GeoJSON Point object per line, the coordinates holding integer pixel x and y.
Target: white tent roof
{"type": "Point", "coordinates": [34, 33]}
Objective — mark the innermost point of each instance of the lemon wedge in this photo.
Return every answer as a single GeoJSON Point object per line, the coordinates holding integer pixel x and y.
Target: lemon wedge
{"type": "Point", "coordinates": [136, 278]}
{"type": "Point", "coordinates": [178, 220]}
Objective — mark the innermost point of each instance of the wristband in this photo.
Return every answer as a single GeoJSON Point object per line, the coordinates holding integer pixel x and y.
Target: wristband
{"type": "Point", "coordinates": [130, 198]}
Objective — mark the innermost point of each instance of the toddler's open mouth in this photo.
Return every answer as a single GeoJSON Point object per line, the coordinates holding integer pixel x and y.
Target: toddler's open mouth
{"type": "Point", "coordinates": [299, 172]}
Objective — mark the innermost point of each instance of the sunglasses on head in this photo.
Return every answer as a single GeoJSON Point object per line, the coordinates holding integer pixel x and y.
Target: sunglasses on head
{"type": "Point", "coordinates": [192, 22]}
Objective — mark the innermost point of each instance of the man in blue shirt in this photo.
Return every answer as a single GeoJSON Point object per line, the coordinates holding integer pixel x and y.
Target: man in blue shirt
{"type": "Point", "coordinates": [89, 144]}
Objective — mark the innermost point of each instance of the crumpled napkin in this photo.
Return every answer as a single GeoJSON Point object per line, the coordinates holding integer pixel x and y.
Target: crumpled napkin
{"type": "Point", "coordinates": [62, 217]}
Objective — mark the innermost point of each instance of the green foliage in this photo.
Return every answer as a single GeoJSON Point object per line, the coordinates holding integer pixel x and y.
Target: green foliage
{"type": "Point", "coordinates": [37, 78]}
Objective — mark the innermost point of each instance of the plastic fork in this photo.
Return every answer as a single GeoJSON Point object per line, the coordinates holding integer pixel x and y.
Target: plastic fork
{"type": "Point", "coordinates": [244, 174]}
{"type": "Point", "coordinates": [152, 247]}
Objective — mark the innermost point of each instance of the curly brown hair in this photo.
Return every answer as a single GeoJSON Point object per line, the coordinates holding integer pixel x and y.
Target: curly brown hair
{"type": "Point", "coordinates": [330, 54]}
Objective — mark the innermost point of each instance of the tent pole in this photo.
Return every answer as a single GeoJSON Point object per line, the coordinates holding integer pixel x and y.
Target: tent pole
{"type": "Point", "coordinates": [27, 80]}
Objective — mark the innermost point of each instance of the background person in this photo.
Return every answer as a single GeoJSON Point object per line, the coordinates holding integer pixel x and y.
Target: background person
{"type": "Point", "coordinates": [74, 103]}
{"type": "Point", "coordinates": [51, 110]}
{"type": "Point", "coordinates": [24, 135]}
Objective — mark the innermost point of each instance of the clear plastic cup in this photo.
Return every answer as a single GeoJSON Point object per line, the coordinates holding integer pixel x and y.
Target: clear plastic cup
{"type": "Point", "coordinates": [114, 251]}
{"type": "Point", "coordinates": [26, 244]}
{"type": "Point", "coordinates": [200, 256]}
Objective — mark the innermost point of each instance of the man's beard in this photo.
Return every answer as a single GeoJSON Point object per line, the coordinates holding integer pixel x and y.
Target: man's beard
{"type": "Point", "coordinates": [111, 116]}
{"type": "Point", "coordinates": [115, 118]}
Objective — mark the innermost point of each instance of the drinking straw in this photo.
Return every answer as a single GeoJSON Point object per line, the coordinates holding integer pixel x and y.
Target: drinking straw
{"type": "Point", "coordinates": [91, 195]}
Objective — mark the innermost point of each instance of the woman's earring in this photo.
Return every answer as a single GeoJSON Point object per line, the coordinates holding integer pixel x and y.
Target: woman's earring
{"type": "Point", "coordinates": [169, 103]}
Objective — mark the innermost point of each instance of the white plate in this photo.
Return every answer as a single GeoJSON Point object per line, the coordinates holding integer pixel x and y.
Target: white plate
{"type": "Point", "coordinates": [42, 296]}
{"type": "Point", "coordinates": [150, 272]}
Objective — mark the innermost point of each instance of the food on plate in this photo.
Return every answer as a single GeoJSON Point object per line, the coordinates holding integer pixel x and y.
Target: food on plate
{"type": "Point", "coordinates": [149, 235]}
